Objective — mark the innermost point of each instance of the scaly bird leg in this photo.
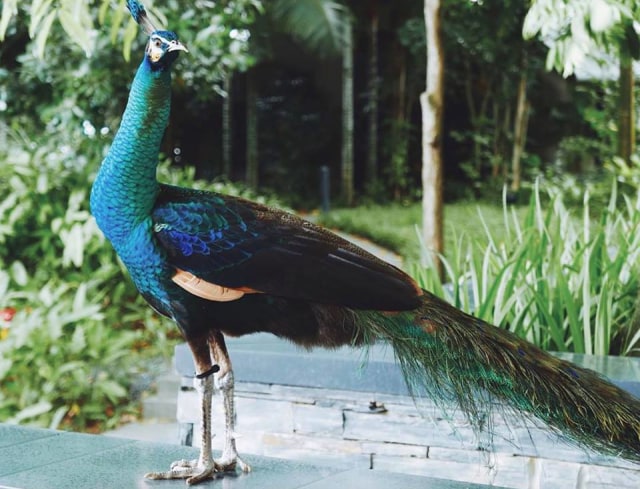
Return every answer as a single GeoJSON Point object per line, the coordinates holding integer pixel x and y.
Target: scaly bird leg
{"type": "Point", "coordinates": [204, 467]}
{"type": "Point", "coordinates": [230, 458]}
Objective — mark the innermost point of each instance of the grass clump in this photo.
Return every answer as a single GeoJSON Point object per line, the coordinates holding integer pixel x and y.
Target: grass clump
{"type": "Point", "coordinates": [566, 278]}
{"type": "Point", "coordinates": [562, 279]}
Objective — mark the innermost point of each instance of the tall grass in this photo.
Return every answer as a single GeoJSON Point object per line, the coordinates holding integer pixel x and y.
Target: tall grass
{"type": "Point", "coordinates": [563, 280]}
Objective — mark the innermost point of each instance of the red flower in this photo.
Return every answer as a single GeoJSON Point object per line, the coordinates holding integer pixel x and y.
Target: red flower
{"type": "Point", "coordinates": [7, 313]}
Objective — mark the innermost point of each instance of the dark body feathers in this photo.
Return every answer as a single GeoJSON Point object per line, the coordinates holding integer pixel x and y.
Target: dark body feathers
{"type": "Point", "coordinates": [309, 282]}
{"type": "Point", "coordinates": [240, 244]}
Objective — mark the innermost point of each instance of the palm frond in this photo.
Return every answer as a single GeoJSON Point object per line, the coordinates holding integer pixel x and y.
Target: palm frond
{"type": "Point", "coordinates": [318, 23]}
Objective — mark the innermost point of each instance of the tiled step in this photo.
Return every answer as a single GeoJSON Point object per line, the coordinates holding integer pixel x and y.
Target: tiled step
{"type": "Point", "coordinates": [60, 460]}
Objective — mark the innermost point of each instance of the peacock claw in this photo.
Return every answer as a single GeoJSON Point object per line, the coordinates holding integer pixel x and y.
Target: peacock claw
{"type": "Point", "coordinates": [191, 470]}
{"type": "Point", "coordinates": [184, 464]}
{"type": "Point", "coordinates": [228, 464]}
{"type": "Point", "coordinates": [189, 464]}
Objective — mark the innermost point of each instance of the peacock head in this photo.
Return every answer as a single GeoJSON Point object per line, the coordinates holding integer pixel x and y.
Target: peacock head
{"type": "Point", "coordinates": [163, 46]}
{"type": "Point", "coordinates": [163, 49]}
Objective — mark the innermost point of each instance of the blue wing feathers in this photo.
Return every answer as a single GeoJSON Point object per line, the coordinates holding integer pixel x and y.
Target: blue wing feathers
{"type": "Point", "coordinates": [198, 230]}
{"type": "Point", "coordinates": [237, 243]}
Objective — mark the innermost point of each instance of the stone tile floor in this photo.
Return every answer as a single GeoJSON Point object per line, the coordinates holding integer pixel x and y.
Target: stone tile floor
{"type": "Point", "coordinates": [44, 459]}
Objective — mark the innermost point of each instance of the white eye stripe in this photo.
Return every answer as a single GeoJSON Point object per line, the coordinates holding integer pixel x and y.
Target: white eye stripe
{"type": "Point", "coordinates": [164, 40]}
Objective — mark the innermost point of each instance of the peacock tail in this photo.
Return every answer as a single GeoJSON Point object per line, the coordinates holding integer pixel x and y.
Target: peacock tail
{"type": "Point", "coordinates": [451, 356]}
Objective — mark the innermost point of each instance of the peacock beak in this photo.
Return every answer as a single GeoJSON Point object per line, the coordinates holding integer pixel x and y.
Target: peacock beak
{"type": "Point", "coordinates": [177, 46]}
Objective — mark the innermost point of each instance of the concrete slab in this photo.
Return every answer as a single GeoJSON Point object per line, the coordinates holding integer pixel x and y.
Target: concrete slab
{"type": "Point", "coordinates": [33, 458]}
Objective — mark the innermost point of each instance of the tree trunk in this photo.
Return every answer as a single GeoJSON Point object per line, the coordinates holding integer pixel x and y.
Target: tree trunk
{"type": "Point", "coordinates": [252, 132]}
{"type": "Point", "coordinates": [432, 101]}
{"type": "Point", "coordinates": [519, 132]}
{"type": "Point", "coordinates": [347, 114]}
{"type": "Point", "coordinates": [398, 165]}
{"type": "Point", "coordinates": [626, 119]}
{"type": "Point", "coordinates": [372, 158]}
{"type": "Point", "coordinates": [227, 127]}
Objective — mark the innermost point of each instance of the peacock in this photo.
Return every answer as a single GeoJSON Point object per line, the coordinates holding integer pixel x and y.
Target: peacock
{"type": "Point", "coordinates": [219, 265]}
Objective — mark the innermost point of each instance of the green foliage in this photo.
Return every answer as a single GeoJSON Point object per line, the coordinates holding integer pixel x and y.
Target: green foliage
{"type": "Point", "coordinates": [628, 176]}
{"type": "Point", "coordinates": [63, 95]}
{"type": "Point", "coordinates": [78, 18]}
{"type": "Point", "coordinates": [63, 364]}
{"type": "Point", "coordinates": [218, 37]}
{"type": "Point", "coordinates": [216, 33]}
{"type": "Point", "coordinates": [564, 281]}
{"type": "Point", "coordinates": [580, 29]}
{"type": "Point", "coordinates": [74, 17]}
{"type": "Point", "coordinates": [597, 106]}
{"type": "Point", "coordinates": [318, 23]}
{"type": "Point", "coordinates": [81, 335]}
{"type": "Point", "coordinates": [66, 355]}
{"type": "Point", "coordinates": [482, 84]}
{"type": "Point", "coordinates": [597, 182]}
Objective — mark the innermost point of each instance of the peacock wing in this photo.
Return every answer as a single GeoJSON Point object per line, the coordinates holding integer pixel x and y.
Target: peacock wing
{"type": "Point", "coordinates": [241, 245]}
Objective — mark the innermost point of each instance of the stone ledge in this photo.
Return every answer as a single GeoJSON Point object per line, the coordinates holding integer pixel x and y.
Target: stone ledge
{"type": "Point", "coordinates": [337, 429]}
{"type": "Point", "coordinates": [263, 358]}
{"type": "Point", "coordinates": [318, 405]}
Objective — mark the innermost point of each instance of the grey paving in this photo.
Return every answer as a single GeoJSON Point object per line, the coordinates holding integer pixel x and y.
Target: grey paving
{"type": "Point", "coordinates": [43, 459]}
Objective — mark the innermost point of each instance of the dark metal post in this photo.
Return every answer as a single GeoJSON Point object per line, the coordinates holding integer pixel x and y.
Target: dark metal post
{"type": "Point", "coordinates": [325, 190]}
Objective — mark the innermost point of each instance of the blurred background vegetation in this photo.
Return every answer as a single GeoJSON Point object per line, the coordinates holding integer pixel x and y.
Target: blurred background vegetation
{"type": "Point", "coordinates": [259, 107]}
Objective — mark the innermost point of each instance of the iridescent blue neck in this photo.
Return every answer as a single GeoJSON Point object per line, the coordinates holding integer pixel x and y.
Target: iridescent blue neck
{"type": "Point", "coordinates": [126, 187]}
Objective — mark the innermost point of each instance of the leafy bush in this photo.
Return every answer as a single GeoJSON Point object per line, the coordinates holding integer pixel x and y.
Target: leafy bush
{"type": "Point", "coordinates": [65, 359]}
{"type": "Point", "coordinates": [81, 335]}
{"type": "Point", "coordinates": [563, 281]}
{"type": "Point", "coordinates": [62, 363]}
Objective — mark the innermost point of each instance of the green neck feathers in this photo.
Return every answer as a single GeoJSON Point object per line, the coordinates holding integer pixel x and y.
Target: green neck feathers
{"type": "Point", "coordinates": [126, 187]}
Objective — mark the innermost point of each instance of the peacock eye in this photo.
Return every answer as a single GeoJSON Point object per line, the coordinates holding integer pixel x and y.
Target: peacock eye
{"type": "Point", "coordinates": [157, 43]}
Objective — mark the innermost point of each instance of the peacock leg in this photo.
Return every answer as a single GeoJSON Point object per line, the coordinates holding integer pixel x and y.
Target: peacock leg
{"type": "Point", "coordinates": [204, 466]}
{"type": "Point", "coordinates": [225, 383]}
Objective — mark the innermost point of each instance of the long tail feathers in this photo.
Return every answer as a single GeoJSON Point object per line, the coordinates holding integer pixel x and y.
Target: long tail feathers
{"type": "Point", "coordinates": [451, 356]}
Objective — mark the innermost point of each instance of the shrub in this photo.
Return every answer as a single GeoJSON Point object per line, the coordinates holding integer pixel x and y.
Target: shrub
{"type": "Point", "coordinates": [65, 356]}
{"type": "Point", "coordinates": [74, 333]}
{"type": "Point", "coordinates": [563, 281]}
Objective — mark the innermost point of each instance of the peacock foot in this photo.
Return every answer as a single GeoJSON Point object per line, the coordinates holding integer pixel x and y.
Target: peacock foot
{"type": "Point", "coordinates": [192, 470]}
{"type": "Point", "coordinates": [228, 463]}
